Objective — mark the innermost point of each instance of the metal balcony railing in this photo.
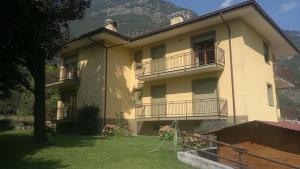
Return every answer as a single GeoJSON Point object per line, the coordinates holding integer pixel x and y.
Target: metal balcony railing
{"type": "Point", "coordinates": [67, 113]}
{"type": "Point", "coordinates": [188, 108]}
{"type": "Point", "coordinates": [68, 73]}
{"type": "Point", "coordinates": [189, 60]}
{"type": "Point", "coordinates": [281, 73]}
{"type": "Point", "coordinates": [65, 74]}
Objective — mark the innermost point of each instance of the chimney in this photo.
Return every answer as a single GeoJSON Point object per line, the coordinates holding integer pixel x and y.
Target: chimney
{"type": "Point", "coordinates": [177, 17]}
{"type": "Point", "coordinates": [111, 25]}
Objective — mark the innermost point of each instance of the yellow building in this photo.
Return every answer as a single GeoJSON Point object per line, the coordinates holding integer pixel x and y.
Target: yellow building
{"type": "Point", "coordinates": [219, 66]}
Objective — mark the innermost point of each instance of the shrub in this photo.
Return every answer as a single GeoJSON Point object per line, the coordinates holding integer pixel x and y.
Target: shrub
{"type": "Point", "coordinates": [6, 124]}
{"type": "Point", "coordinates": [23, 123]}
{"type": "Point", "coordinates": [166, 132]}
{"type": "Point", "coordinates": [111, 130]}
{"type": "Point", "coordinates": [88, 120]}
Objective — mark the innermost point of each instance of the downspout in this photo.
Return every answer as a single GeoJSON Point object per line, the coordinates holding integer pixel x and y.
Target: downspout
{"type": "Point", "coordinates": [231, 66]}
{"type": "Point", "coordinates": [106, 72]}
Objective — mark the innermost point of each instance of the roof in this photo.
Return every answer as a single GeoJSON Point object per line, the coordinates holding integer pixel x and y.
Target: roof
{"type": "Point", "coordinates": [193, 20]}
{"type": "Point", "coordinates": [295, 126]}
{"type": "Point", "coordinates": [284, 124]}
{"type": "Point", "coordinates": [215, 13]}
{"type": "Point", "coordinates": [97, 31]}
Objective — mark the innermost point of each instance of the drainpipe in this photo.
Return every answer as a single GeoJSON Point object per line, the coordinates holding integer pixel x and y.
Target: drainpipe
{"type": "Point", "coordinates": [105, 78]}
{"type": "Point", "coordinates": [231, 65]}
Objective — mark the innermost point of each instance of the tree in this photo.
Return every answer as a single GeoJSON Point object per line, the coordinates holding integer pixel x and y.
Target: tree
{"type": "Point", "coordinates": [33, 32]}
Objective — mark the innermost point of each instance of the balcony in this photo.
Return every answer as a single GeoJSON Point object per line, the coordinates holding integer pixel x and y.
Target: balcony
{"type": "Point", "coordinates": [210, 108]}
{"type": "Point", "coordinates": [283, 79]}
{"type": "Point", "coordinates": [209, 60]}
{"type": "Point", "coordinates": [67, 113]}
{"type": "Point", "coordinates": [68, 76]}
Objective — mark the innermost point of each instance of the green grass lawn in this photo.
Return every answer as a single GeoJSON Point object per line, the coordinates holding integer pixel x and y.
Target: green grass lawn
{"type": "Point", "coordinates": [71, 151]}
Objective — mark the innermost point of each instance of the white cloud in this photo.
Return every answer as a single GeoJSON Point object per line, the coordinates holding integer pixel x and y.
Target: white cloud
{"type": "Point", "coordinates": [288, 6]}
{"type": "Point", "coordinates": [226, 3]}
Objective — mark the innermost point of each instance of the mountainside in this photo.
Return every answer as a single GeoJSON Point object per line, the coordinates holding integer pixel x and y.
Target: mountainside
{"type": "Point", "coordinates": [290, 98]}
{"type": "Point", "coordinates": [293, 63]}
{"type": "Point", "coordinates": [133, 16]}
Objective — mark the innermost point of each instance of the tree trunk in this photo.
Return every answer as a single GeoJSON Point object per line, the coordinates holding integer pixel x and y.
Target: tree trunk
{"type": "Point", "coordinates": [39, 101]}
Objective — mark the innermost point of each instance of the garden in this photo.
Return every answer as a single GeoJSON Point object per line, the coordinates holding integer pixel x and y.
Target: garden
{"type": "Point", "coordinates": [81, 151]}
{"type": "Point", "coordinates": [115, 148]}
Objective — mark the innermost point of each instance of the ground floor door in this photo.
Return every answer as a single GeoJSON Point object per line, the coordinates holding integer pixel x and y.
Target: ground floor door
{"type": "Point", "coordinates": [158, 102]}
{"type": "Point", "coordinates": [204, 97]}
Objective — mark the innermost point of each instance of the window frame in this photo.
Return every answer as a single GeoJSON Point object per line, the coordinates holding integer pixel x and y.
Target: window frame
{"type": "Point", "coordinates": [266, 52]}
{"type": "Point", "coordinates": [161, 46]}
{"type": "Point", "coordinates": [270, 94]}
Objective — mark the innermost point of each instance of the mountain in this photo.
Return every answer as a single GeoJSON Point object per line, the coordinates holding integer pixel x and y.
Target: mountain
{"type": "Point", "coordinates": [292, 63]}
{"type": "Point", "coordinates": [290, 98]}
{"type": "Point", "coordinates": [134, 17]}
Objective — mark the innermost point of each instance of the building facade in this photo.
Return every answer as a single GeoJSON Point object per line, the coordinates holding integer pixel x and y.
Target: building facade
{"type": "Point", "coordinates": [219, 66]}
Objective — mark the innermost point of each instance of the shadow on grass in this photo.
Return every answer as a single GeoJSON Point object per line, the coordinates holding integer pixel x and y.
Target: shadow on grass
{"type": "Point", "coordinates": [74, 140]}
{"type": "Point", "coordinates": [17, 150]}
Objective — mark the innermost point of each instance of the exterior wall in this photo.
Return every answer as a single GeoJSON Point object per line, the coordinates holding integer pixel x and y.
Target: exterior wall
{"type": "Point", "coordinates": [120, 83]}
{"type": "Point", "coordinates": [91, 86]}
{"type": "Point", "coordinates": [225, 85]}
{"type": "Point", "coordinates": [264, 140]}
{"type": "Point", "coordinates": [252, 76]}
{"type": "Point", "coordinates": [179, 88]}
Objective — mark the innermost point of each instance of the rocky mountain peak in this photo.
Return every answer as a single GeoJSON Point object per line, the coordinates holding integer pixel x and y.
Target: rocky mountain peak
{"type": "Point", "coordinates": [134, 17]}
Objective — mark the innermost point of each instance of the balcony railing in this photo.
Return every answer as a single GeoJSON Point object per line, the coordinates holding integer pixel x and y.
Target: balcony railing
{"type": "Point", "coordinates": [211, 107]}
{"type": "Point", "coordinates": [68, 73]}
{"type": "Point", "coordinates": [67, 113]}
{"type": "Point", "coordinates": [66, 76]}
{"type": "Point", "coordinates": [283, 77]}
{"type": "Point", "coordinates": [185, 61]}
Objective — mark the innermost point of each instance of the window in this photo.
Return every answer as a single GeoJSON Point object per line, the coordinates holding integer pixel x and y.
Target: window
{"type": "Point", "coordinates": [270, 95]}
{"type": "Point", "coordinates": [158, 52]}
{"type": "Point", "coordinates": [157, 55]}
{"type": "Point", "coordinates": [266, 52]}
{"type": "Point", "coordinates": [138, 57]}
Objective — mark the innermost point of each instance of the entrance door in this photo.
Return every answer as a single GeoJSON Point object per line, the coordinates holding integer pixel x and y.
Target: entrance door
{"type": "Point", "coordinates": [204, 53]}
{"type": "Point", "coordinates": [204, 97]}
{"type": "Point", "coordinates": [158, 94]}
{"type": "Point", "coordinates": [158, 63]}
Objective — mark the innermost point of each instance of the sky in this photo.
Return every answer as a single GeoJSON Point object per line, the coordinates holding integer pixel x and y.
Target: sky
{"type": "Point", "coordinates": [286, 13]}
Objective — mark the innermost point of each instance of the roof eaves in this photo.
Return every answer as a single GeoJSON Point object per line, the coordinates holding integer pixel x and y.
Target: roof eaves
{"type": "Point", "coordinates": [193, 20]}
{"type": "Point", "coordinates": [96, 31]}
{"type": "Point", "coordinates": [215, 13]}
{"type": "Point", "coordinates": [273, 23]}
